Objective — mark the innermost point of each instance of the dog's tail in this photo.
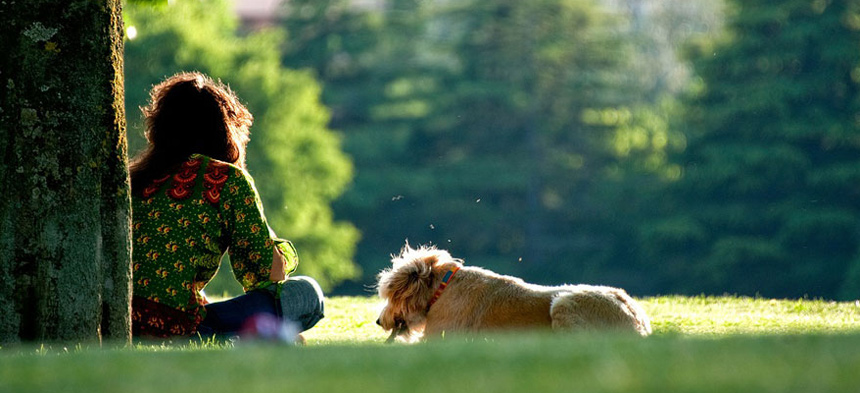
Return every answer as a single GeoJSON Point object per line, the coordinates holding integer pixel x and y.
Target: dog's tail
{"type": "Point", "coordinates": [587, 307]}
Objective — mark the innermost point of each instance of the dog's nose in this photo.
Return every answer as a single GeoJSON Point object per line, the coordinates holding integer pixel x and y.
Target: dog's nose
{"type": "Point", "coordinates": [379, 321]}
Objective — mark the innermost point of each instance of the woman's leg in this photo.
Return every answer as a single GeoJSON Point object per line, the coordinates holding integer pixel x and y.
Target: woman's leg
{"type": "Point", "coordinates": [227, 317]}
{"type": "Point", "coordinates": [301, 301]}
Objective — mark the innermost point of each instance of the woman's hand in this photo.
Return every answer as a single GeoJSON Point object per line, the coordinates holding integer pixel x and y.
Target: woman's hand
{"type": "Point", "coordinates": [278, 266]}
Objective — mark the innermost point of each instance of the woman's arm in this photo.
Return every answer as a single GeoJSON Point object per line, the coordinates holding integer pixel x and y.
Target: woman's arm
{"type": "Point", "coordinates": [278, 266]}
{"type": "Point", "coordinates": [258, 256]}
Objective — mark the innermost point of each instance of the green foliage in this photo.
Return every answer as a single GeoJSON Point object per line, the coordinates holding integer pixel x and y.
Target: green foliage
{"type": "Point", "coordinates": [664, 240]}
{"type": "Point", "coordinates": [851, 285]}
{"type": "Point", "coordinates": [294, 158]}
{"type": "Point", "coordinates": [546, 139]}
{"type": "Point", "coordinates": [771, 153]}
{"type": "Point", "coordinates": [465, 121]}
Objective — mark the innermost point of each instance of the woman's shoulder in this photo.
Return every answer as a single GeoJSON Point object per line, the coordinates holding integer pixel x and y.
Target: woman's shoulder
{"type": "Point", "coordinates": [218, 175]}
{"type": "Point", "coordinates": [207, 160]}
{"type": "Point", "coordinates": [213, 165]}
{"type": "Point", "coordinates": [196, 176]}
{"type": "Point", "coordinates": [200, 175]}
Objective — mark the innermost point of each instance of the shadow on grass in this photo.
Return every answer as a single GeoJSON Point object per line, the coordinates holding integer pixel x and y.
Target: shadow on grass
{"type": "Point", "coordinates": [534, 362]}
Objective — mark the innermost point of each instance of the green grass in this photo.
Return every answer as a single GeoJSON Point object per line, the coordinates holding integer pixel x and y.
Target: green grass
{"type": "Point", "coordinates": [701, 344]}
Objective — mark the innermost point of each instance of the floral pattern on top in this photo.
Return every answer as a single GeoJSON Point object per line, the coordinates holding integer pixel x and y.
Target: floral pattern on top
{"type": "Point", "coordinates": [183, 224]}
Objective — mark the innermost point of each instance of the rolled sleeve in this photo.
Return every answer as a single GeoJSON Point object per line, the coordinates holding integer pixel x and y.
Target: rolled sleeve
{"type": "Point", "coordinates": [251, 241]}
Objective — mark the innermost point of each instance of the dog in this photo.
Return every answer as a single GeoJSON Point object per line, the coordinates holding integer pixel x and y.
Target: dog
{"type": "Point", "coordinates": [429, 293]}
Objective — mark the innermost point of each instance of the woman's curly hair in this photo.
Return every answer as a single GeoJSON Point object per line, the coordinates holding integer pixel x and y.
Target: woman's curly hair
{"type": "Point", "coordinates": [190, 113]}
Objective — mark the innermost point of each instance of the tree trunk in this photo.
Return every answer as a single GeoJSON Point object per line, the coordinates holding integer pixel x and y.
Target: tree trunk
{"type": "Point", "coordinates": [65, 245]}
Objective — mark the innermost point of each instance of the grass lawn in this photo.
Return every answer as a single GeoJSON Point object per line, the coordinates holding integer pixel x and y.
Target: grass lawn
{"type": "Point", "coordinates": [701, 344]}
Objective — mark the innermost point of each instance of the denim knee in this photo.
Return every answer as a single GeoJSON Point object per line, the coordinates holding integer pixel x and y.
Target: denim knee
{"type": "Point", "coordinates": [302, 301]}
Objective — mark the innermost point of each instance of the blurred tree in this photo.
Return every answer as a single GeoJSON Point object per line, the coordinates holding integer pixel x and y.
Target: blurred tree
{"type": "Point", "coordinates": [468, 131]}
{"type": "Point", "coordinates": [645, 132]}
{"type": "Point", "coordinates": [64, 220]}
{"type": "Point", "coordinates": [378, 85]}
{"type": "Point", "coordinates": [767, 203]}
{"type": "Point", "coordinates": [658, 30]}
{"type": "Point", "coordinates": [295, 159]}
{"type": "Point", "coordinates": [511, 129]}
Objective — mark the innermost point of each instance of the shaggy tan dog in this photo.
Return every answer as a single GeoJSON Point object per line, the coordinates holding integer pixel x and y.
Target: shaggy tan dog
{"type": "Point", "coordinates": [428, 293]}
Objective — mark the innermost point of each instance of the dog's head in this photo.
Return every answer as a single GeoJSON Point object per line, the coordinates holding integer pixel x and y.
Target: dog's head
{"type": "Point", "coordinates": [407, 287]}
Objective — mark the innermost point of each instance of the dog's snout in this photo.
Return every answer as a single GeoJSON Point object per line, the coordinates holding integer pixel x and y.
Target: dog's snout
{"type": "Point", "coordinates": [379, 321]}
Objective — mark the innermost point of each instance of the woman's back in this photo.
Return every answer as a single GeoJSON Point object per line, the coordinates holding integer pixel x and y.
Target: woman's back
{"type": "Point", "coordinates": [183, 223]}
{"type": "Point", "coordinates": [192, 202]}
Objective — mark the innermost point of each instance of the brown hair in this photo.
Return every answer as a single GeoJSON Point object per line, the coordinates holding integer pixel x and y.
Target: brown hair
{"type": "Point", "coordinates": [190, 113]}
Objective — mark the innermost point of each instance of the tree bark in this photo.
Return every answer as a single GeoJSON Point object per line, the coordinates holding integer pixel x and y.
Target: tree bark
{"type": "Point", "coordinates": [65, 247]}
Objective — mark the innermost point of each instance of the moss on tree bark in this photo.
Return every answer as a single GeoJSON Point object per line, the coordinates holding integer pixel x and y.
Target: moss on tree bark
{"type": "Point", "coordinates": [65, 213]}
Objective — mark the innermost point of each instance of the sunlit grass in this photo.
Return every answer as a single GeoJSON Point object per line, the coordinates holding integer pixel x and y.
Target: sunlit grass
{"type": "Point", "coordinates": [352, 319]}
{"type": "Point", "coordinates": [349, 320]}
{"type": "Point", "coordinates": [725, 315]}
{"type": "Point", "coordinates": [701, 344]}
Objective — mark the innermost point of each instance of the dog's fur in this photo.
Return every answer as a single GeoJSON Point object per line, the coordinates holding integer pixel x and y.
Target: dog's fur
{"type": "Point", "coordinates": [477, 299]}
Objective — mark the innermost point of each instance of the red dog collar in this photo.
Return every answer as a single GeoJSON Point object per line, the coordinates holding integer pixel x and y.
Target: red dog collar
{"type": "Point", "coordinates": [442, 286]}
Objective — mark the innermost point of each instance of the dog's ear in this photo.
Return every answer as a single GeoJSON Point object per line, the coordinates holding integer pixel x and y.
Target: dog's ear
{"type": "Point", "coordinates": [412, 280]}
{"type": "Point", "coordinates": [409, 276]}
{"type": "Point", "coordinates": [420, 274]}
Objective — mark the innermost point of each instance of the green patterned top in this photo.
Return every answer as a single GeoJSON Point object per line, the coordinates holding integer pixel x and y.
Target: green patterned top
{"type": "Point", "coordinates": [183, 223]}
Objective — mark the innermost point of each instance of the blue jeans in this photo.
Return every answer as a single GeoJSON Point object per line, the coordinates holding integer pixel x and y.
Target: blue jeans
{"type": "Point", "coordinates": [301, 301]}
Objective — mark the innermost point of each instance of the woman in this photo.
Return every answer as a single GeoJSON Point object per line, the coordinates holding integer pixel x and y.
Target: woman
{"type": "Point", "coordinates": [193, 201]}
